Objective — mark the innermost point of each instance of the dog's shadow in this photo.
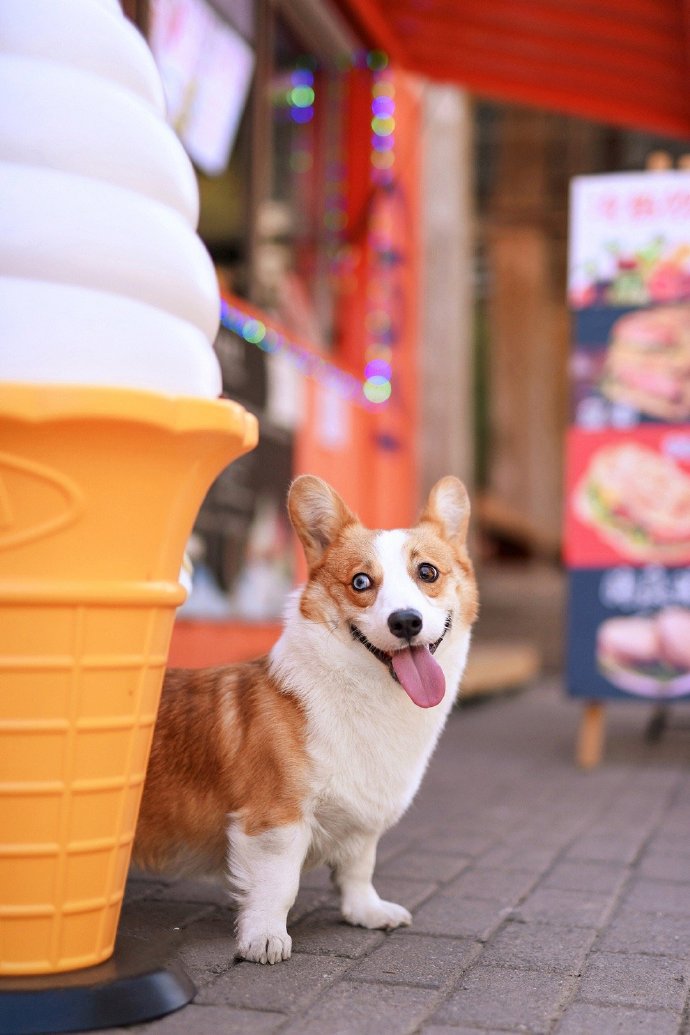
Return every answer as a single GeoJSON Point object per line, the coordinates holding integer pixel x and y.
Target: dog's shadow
{"type": "Point", "coordinates": [193, 920]}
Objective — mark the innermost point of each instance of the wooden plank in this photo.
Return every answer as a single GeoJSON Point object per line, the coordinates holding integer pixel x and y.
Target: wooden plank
{"type": "Point", "coordinates": [494, 668]}
{"type": "Point", "coordinates": [590, 741]}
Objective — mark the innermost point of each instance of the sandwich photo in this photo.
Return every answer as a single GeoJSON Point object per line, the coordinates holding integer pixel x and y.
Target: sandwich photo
{"type": "Point", "coordinates": [647, 655]}
{"type": "Point", "coordinates": [648, 362]}
{"type": "Point", "coordinates": [638, 501]}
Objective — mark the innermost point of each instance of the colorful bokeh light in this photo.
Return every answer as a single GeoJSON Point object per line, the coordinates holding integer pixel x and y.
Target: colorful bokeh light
{"type": "Point", "coordinates": [377, 389]}
{"type": "Point", "coordinates": [377, 60]}
{"type": "Point", "coordinates": [383, 105]}
{"type": "Point", "coordinates": [302, 96]}
{"type": "Point", "coordinates": [383, 126]}
{"type": "Point", "coordinates": [270, 340]}
{"type": "Point", "coordinates": [378, 368]}
{"type": "Point", "coordinates": [253, 331]}
{"type": "Point", "coordinates": [301, 115]}
{"type": "Point", "coordinates": [383, 159]}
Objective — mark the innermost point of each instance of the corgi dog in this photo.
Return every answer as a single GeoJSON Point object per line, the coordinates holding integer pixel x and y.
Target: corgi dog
{"type": "Point", "coordinates": [306, 756]}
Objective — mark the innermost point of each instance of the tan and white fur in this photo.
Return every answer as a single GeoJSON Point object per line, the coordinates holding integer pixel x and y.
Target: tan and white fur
{"type": "Point", "coordinates": [307, 756]}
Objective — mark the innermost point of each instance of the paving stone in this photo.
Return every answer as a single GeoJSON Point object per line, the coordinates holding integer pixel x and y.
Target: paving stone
{"type": "Point", "coordinates": [548, 833]}
{"type": "Point", "coordinates": [639, 810]}
{"type": "Point", "coordinates": [588, 1019]}
{"type": "Point", "coordinates": [505, 886]}
{"type": "Point", "coordinates": [668, 777]}
{"type": "Point", "coordinates": [583, 875]}
{"type": "Point", "coordinates": [285, 987]}
{"type": "Point", "coordinates": [309, 899]}
{"type": "Point", "coordinates": [460, 842]}
{"type": "Point", "coordinates": [654, 933]}
{"type": "Point", "coordinates": [524, 858]}
{"type": "Point", "coordinates": [324, 932]}
{"type": "Point", "coordinates": [207, 947]}
{"type": "Point", "coordinates": [544, 947]}
{"type": "Point", "coordinates": [416, 960]}
{"type": "Point", "coordinates": [444, 1029]}
{"type": "Point", "coordinates": [319, 877]}
{"type": "Point", "coordinates": [151, 919]}
{"type": "Point", "coordinates": [676, 843]}
{"type": "Point", "coordinates": [458, 917]}
{"type": "Point", "coordinates": [635, 980]}
{"type": "Point", "coordinates": [510, 999]}
{"type": "Point", "coordinates": [214, 1020]}
{"type": "Point", "coordinates": [477, 960]}
{"type": "Point", "coordinates": [607, 847]}
{"type": "Point", "coordinates": [138, 888]}
{"type": "Point", "coordinates": [665, 866]}
{"type": "Point", "coordinates": [676, 819]}
{"type": "Point", "coordinates": [407, 893]}
{"type": "Point", "coordinates": [575, 908]}
{"type": "Point", "coordinates": [214, 892]}
{"type": "Point", "coordinates": [355, 1008]}
{"type": "Point", "coordinates": [423, 865]}
{"type": "Point", "coordinates": [498, 817]}
{"type": "Point", "coordinates": [656, 896]}
{"type": "Point", "coordinates": [394, 841]}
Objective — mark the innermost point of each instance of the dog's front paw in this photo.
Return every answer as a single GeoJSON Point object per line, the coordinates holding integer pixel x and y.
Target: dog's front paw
{"type": "Point", "coordinates": [377, 915]}
{"type": "Point", "coordinates": [264, 946]}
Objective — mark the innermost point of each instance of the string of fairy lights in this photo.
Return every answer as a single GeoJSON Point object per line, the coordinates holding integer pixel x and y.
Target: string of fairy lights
{"type": "Point", "coordinates": [298, 96]}
{"type": "Point", "coordinates": [380, 325]}
{"type": "Point", "coordinates": [271, 340]}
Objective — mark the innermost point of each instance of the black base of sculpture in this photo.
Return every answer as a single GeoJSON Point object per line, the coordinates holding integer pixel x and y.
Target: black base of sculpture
{"type": "Point", "coordinates": [129, 988]}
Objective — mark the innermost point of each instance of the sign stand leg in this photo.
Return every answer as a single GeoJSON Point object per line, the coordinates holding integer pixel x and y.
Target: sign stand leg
{"type": "Point", "coordinates": [657, 724]}
{"type": "Point", "coordinates": [590, 740]}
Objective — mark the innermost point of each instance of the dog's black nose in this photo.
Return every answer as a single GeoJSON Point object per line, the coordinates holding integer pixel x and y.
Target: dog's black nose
{"type": "Point", "coordinates": [405, 624]}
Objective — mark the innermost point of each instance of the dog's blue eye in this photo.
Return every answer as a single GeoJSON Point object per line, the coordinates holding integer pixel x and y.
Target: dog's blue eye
{"type": "Point", "coordinates": [360, 582]}
{"type": "Point", "coordinates": [427, 572]}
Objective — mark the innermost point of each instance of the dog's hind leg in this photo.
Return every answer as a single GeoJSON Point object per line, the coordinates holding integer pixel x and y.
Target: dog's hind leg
{"type": "Point", "coordinates": [265, 870]}
{"type": "Point", "coordinates": [360, 902]}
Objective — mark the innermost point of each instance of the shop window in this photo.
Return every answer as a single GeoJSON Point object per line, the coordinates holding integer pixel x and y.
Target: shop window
{"type": "Point", "coordinates": [259, 107]}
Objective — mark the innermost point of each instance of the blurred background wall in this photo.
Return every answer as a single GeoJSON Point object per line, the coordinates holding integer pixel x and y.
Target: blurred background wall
{"type": "Point", "coordinates": [384, 192]}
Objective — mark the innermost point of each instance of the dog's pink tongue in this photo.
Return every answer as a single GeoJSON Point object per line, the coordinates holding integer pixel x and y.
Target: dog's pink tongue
{"type": "Point", "coordinates": [419, 675]}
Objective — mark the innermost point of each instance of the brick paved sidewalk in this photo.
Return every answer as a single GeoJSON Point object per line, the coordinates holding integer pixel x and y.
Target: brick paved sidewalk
{"type": "Point", "coordinates": [544, 899]}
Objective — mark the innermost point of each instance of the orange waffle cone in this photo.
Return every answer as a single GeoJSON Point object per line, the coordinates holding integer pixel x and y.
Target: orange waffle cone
{"type": "Point", "coordinates": [98, 493]}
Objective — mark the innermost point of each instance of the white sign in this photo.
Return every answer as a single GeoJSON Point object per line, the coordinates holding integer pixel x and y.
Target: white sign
{"type": "Point", "coordinates": [629, 239]}
{"type": "Point", "coordinates": [206, 68]}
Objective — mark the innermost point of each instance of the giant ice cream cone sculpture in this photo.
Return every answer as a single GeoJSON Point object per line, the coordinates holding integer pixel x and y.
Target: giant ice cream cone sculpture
{"type": "Point", "coordinates": [109, 438]}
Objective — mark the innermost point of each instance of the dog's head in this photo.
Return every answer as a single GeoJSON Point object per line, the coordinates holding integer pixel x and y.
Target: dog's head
{"type": "Point", "coordinates": [397, 594]}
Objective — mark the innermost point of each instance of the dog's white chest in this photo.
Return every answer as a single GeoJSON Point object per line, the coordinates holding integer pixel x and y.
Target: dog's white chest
{"type": "Point", "coordinates": [369, 757]}
{"type": "Point", "coordinates": [368, 743]}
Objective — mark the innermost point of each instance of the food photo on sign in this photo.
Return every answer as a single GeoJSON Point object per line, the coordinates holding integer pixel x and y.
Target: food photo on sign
{"type": "Point", "coordinates": [628, 499]}
{"type": "Point", "coordinates": [629, 633]}
{"type": "Point", "coordinates": [631, 366]}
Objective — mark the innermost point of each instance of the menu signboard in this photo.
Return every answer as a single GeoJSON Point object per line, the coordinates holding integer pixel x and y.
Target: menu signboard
{"type": "Point", "coordinates": [627, 511]}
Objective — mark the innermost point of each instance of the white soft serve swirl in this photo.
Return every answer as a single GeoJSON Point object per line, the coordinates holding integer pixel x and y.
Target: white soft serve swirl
{"type": "Point", "coordinates": [103, 279]}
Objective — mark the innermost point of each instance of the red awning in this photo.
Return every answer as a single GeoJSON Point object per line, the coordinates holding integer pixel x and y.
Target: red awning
{"type": "Point", "coordinates": [626, 62]}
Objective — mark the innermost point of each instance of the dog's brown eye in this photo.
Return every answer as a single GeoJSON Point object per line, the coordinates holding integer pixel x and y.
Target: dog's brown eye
{"type": "Point", "coordinates": [360, 582]}
{"type": "Point", "coordinates": [427, 572]}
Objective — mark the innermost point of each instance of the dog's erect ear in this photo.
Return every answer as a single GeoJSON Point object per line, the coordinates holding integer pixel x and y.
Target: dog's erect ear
{"type": "Point", "coordinates": [317, 514]}
{"type": "Point", "coordinates": [449, 506]}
